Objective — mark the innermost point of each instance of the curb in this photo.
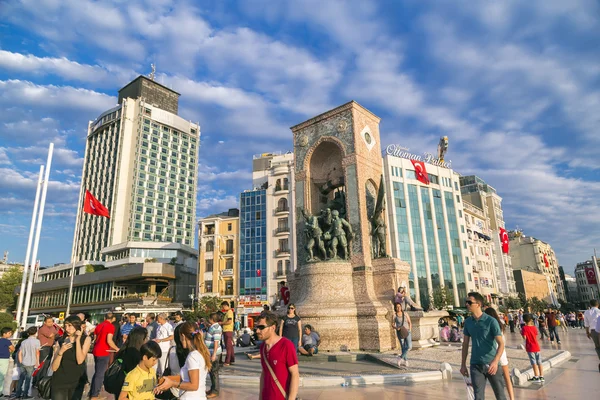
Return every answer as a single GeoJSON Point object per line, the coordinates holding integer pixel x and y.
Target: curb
{"type": "Point", "coordinates": [336, 381]}
{"type": "Point", "coordinates": [520, 378]}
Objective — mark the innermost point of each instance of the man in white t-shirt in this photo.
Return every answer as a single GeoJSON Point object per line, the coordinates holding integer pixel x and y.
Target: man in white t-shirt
{"type": "Point", "coordinates": [164, 335]}
{"type": "Point", "coordinates": [590, 321]}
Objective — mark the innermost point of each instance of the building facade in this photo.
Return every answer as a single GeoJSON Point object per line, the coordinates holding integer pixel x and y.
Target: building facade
{"type": "Point", "coordinates": [587, 287]}
{"type": "Point", "coordinates": [532, 284]}
{"type": "Point", "coordinates": [267, 241]}
{"type": "Point", "coordinates": [141, 163]}
{"type": "Point", "coordinates": [427, 227]}
{"type": "Point", "coordinates": [481, 252]}
{"type": "Point", "coordinates": [135, 276]}
{"type": "Point", "coordinates": [218, 261]}
{"type": "Point", "coordinates": [478, 193]}
{"type": "Point", "coordinates": [572, 293]}
{"type": "Point", "coordinates": [531, 254]}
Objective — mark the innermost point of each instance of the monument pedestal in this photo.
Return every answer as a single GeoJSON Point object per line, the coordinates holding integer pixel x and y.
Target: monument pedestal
{"type": "Point", "coordinates": [425, 330]}
{"type": "Point", "coordinates": [351, 308]}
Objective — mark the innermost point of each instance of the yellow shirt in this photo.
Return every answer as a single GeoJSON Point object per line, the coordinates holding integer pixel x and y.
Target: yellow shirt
{"type": "Point", "coordinates": [228, 327]}
{"type": "Point", "coordinates": [140, 384]}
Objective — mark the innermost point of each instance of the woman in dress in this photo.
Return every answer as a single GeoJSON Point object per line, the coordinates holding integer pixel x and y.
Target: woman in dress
{"type": "Point", "coordinates": [68, 363]}
{"type": "Point", "coordinates": [402, 320]}
{"type": "Point", "coordinates": [291, 326]}
{"type": "Point", "coordinates": [191, 380]}
{"type": "Point", "coordinates": [503, 359]}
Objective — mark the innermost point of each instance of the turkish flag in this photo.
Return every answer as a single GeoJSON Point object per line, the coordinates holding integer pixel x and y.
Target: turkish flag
{"type": "Point", "coordinates": [420, 171]}
{"type": "Point", "coordinates": [591, 276]}
{"type": "Point", "coordinates": [504, 240]}
{"type": "Point", "coordinates": [258, 272]}
{"type": "Point", "coordinates": [546, 261]}
{"type": "Point", "coordinates": [93, 206]}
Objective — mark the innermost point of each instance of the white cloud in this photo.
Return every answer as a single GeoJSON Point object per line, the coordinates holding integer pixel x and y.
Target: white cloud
{"type": "Point", "coordinates": [208, 174]}
{"type": "Point", "coordinates": [211, 205]}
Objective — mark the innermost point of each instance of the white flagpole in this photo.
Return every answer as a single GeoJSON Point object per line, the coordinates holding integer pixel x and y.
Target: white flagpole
{"type": "Point", "coordinates": [37, 233]}
{"type": "Point", "coordinates": [27, 254]}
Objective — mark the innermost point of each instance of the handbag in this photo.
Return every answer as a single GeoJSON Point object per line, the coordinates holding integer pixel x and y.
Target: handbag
{"type": "Point", "coordinates": [264, 357]}
{"type": "Point", "coordinates": [173, 393]}
{"type": "Point", "coordinates": [403, 331]}
{"type": "Point", "coordinates": [44, 387]}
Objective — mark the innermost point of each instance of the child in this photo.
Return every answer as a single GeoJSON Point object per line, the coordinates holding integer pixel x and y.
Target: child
{"type": "Point", "coordinates": [529, 333]}
{"type": "Point", "coordinates": [29, 359]}
{"type": "Point", "coordinates": [6, 348]}
{"type": "Point", "coordinates": [140, 382]}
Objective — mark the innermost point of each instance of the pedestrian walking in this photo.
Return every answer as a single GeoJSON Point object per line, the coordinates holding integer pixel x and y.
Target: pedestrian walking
{"type": "Point", "coordinates": [280, 377]}
{"type": "Point", "coordinates": [227, 325]}
{"type": "Point", "coordinates": [543, 328]}
{"type": "Point", "coordinates": [511, 322]}
{"type": "Point", "coordinates": [486, 350]}
{"type": "Point", "coordinates": [529, 333]}
{"type": "Point", "coordinates": [552, 323]}
{"type": "Point", "coordinates": [164, 336]}
{"type": "Point", "coordinates": [191, 380]}
{"type": "Point", "coordinates": [69, 363]}
{"type": "Point", "coordinates": [102, 349]}
{"type": "Point", "coordinates": [212, 340]}
{"type": "Point", "coordinates": [592, 327]}
{"type": "Point", "coordinates": [403, 326]}
{"type": "Point", "coordinates": [291, 326]}
{"type": "Point", "coordinates": [29, 360]}
{"type": "Point", "coordinates": [562, 322]}
{"type": "Point", "coordinates": [503, 359]}
{"type": "Point", "coordinates": [151, 326]}
{"type": "Point", "coordinates": [6, 348]}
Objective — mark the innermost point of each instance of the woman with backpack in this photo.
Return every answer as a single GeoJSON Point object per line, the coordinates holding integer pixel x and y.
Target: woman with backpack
{"type": "Point", "coordinates": [69, 359]}
{"type": "Point", "coordinates": [130, 352]}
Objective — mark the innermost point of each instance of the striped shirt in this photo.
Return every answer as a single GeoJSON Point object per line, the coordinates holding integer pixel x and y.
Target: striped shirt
{"type": "Point", "coordinates": [214, 333]}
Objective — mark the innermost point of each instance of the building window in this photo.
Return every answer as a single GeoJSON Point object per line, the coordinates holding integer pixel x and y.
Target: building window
{"type": "Point", "coordinates": [229, 227]}
{"type": "Point", "coordinates": [282, 205]}
{"type": "Point", "coordinates": [279, 268]}
{"type": "Point", "coordinates": [287, 267]}
{"type": "Point", "coordinates": [208, 286]}
{"type": "Point", "coordinates": [209, 265]}
{"type": "Point", "coordinates": [229, 246]}
{"type": "Point", "coordinates": [229, 263]}
{"type": "Point", "coordinates": [284, 246]}
{"type": "Point", "coordinates": [210, 246]}
{"type": "Point", "coordinates": [229, 287]}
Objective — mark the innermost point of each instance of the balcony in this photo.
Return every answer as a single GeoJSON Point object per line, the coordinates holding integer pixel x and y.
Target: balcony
{"type": "Point", "coordinates": [282, 252]}
{"type": "Point", "coordinates": [282, 210]}
{"type": "Point", "coordinates": [282, 189]}
{"type": "Point", "coordinates": [282, 230]}
{"type": "Point", "coordinates": [281, 170]}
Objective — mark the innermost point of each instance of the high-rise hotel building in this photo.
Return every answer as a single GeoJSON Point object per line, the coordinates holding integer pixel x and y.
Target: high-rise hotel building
{"type": "Point", "coordinates": [427, 228]}
{"type": "Point", "coordinates": [140, 162]}
{"type": "Point", "coordinates": [267, 241]}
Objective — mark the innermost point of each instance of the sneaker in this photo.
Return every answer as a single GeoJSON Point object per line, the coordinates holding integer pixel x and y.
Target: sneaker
{"type": "Point", "coordinates": [558, 342]}
{"type": "Point", "coordinates": [534, 379]}
{"type": "Point", "coordinates": [542, 379]}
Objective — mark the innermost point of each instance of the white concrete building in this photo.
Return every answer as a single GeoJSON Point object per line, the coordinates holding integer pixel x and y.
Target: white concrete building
{"type": "Point", "coordinates": [587, 291]}
{"type": "Point", "coordinates": [427, 226]}
{"type": "Point", "coordinates": [480, 194]}
{"type": "Point", "coordinates": [141, 163]}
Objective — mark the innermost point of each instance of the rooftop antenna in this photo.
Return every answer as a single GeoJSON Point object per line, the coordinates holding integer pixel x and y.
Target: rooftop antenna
{"type": "Point", "coordinates": [153, 73]}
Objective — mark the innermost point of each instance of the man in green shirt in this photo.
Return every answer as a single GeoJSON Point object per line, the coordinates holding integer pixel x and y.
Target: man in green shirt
{"type": "Point", "coordinates": [485, 333]}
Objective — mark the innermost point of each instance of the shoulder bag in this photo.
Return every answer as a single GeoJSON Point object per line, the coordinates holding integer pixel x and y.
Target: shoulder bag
{"type": "Point", "coordinates": [264, 356]}
{"type": "Point", "coordinates": [403, 330]}
{"type": "Point", "coordinates": [173, 393]}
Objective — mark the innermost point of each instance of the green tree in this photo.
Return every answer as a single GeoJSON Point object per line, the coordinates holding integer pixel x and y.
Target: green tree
{"type": "Point", "coordinates": [208, 305]}
{"type": "Point", "coordinates": [8, 283]}
{"type": "Point", "coordinates": [6, 320]}
{"type": "Point", "coordinates": [513, 303]}
{"type": "Point", "coordinates": [441, 297]}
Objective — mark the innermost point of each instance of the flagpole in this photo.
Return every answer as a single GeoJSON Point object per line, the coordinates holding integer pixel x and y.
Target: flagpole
{"type": "Point", "coordinates": [595, 262]}
{"type": "Point", "coordinates": [37, 233]}
{"type": "Point", "coordinates": [28, 253]}
{"type": "Point", "coordinates": [70, 295]}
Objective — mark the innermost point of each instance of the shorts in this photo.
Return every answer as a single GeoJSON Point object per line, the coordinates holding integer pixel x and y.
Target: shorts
{"type": "Point", "coordinates": [535, 358]}
{"type": "Point", "coordinates": [503, 359]}
{"type": "Point", "coordinates": [307, 347]}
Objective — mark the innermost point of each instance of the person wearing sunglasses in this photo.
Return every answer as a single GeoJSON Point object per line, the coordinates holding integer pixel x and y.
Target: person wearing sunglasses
{"type": "Point", "coordinates": [290, 326]}
{"type": "Point", "coordinates": [488, 346]}
{"type": "Point", "coordinates": [280, 377]}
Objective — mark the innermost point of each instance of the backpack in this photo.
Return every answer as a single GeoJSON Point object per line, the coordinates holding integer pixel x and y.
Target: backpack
{"type": "Point", "coordinates": [114, 377]}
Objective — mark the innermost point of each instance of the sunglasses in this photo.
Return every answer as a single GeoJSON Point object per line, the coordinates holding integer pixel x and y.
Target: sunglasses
{"type": "Point", "coordinates": [262, 327]}
{"type": "Point", "coordinates": [469, 302]}
{"type": "Point", "coordinates": [291, 308]}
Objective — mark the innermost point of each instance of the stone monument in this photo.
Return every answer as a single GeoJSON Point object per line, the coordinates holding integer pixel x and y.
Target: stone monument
{"type": "Point", "coordinates": [345, 281]}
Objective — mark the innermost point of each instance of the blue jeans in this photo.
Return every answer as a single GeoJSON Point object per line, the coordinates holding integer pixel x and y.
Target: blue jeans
{"type": "Point", "coordinates": [405, 344]}
{"type": "Point", "coordinates": [100, 367]}
{"type": "Point", "coordinates": [24, 380]}
{"type": "Point", "coordinates": [479, 375]}
{"type": "Point", "coordinates": [553, 333]}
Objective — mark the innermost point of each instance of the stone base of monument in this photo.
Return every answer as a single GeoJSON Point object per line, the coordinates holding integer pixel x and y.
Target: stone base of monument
{"type": "Point", "coordinates": [351, 308]}
{"type": "Point", "coordinates": [425, 330]}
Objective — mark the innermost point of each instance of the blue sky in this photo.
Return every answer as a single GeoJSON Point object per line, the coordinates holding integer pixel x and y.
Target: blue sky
{"type": "Point", "coordinates": [515, 85]}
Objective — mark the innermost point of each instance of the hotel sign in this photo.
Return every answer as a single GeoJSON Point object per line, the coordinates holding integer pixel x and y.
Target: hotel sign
{"type": "Point", "coordinates": [403, 152]}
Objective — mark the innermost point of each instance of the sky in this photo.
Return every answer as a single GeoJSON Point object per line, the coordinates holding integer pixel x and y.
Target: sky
{"type": "Point", "coordinates": [513, 84]}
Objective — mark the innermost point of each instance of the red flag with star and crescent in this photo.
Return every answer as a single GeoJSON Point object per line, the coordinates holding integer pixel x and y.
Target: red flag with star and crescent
{"type": "Point", "coordinates": [546, 261]}
{"type": "Point", "coordinates": [420, 171]}
{"type": "Point", "coordinates": [93, 206]}
{"type": "Point", "coordinates": [504, 240]}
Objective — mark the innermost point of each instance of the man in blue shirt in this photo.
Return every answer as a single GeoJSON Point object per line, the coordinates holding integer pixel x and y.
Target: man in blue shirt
{"type": "Point", "coordinates": [485, 333]}
{"type": "Point", "coordinates": [128, 326]}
